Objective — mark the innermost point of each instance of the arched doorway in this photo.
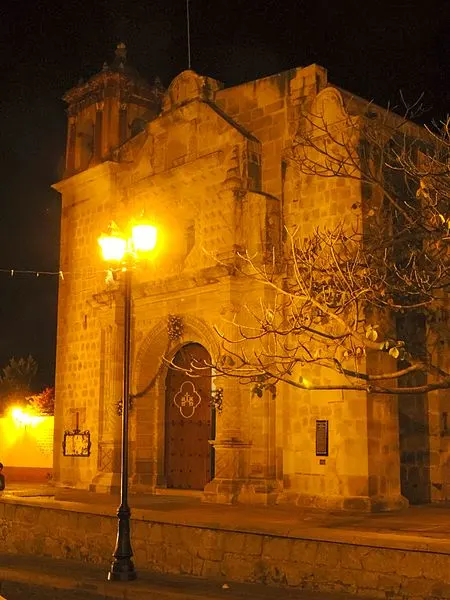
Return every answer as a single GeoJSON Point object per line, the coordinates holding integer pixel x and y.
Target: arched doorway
{"type": "Point", "coordinates": [190, 422]}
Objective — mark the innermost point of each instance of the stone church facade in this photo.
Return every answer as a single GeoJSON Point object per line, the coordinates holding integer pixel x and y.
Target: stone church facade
{"type": "Point", "coordinates": [207, 165]}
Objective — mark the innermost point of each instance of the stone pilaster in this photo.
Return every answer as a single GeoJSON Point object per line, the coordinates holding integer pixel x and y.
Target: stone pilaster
{"type": "Point", "coordinates": [231, 448]}
{"type": "Point", "coordinates": [108, 465]}
{"type": "Point", "coordinates": [262, 486]}
{"type": "Point", "coordinates": [383, 439]}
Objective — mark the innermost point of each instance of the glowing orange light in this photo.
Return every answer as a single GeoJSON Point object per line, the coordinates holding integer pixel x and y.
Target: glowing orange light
{"type": "Point", "coordinates": [21, 417]}
{"type": "Point", "coordinates": [144, 237]}
{"type": "Point", "coordinates": [113, 247]}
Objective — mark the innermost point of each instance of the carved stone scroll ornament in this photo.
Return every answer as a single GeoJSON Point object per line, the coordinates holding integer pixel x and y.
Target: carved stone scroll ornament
{"type": "Point", "coordinates": [174, 327]}
{"type": "Point", "coordinates": [217, 399]}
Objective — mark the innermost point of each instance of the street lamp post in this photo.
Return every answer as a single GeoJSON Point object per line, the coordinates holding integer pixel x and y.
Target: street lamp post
{"type": "Point", "coordinates": [126, 252]}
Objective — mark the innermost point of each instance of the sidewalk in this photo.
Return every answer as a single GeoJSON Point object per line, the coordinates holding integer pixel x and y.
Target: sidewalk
{"type": "Point", "coordinates": [419, 527]}
{"type": "Point", "coordinates": [27, 577]}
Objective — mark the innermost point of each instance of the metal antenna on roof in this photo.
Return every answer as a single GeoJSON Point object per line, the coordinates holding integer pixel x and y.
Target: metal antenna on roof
{"type": "Point", "coordinates": [188, 34]}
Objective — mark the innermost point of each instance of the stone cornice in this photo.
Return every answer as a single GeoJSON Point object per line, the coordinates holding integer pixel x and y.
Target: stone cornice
{"type": "Point", "coordinates": [159, 288]}
{"type": "Point", "coordinates": [192, 283]}
{"type": "Point", "coordinates": [105, 168]}
{"type": "Point", "coordinates": [103, 80]}
{"type": "Point", "coordinates": [112, 84]}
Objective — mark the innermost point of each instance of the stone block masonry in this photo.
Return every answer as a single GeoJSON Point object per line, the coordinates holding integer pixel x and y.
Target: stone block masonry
{"type": "Point", "coordinates": [371, 565]}
{"type": "Point", "coordinates": [219, 171]}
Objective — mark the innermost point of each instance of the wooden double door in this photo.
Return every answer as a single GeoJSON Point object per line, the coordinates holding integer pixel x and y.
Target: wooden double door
{"type": "Point", "coordinates": [190, 421]}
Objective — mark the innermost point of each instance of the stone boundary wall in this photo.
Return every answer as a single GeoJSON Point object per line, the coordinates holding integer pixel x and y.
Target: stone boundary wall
{"type": "Point", "coordinates": [26, 444]}
{"type": "Point", "coordinates": [363, 568]}
{"type": "Point", "coordinates": [27, 475]}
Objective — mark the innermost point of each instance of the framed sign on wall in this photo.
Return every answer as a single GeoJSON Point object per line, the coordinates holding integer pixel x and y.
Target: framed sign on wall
{"type": "Point", "coordinates": [322, 438]}
{"type": "Point", "coordinates": [77, 443]}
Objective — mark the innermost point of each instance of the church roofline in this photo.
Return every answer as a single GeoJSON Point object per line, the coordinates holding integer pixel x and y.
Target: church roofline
{"type": "Point", "coordinates": [361, 104]}
{"type": "Point", "coordinates": [287, 73]}
{"type": "Point", "coordinates": [118, 70]}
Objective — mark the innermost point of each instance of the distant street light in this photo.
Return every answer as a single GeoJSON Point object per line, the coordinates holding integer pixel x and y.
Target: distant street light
{"type": "Point", "coordinates": [125, 251]}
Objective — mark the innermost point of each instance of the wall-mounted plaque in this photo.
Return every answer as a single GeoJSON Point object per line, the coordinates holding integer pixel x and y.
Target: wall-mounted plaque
{"type": "Point", "coordinates": [322, 438]}
{"type": "Point", "coordinates": [77, 443]}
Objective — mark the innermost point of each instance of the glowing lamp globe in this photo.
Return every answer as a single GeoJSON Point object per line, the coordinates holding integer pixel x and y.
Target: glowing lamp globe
{"type": "Point", "coordinates": [144, 237]}
{"type": "Point", "coordinates": [16, 414]}
{"type": "Point", "coordinates": [113, 247]}
{"type": "Point", "coordinates": [20, 417]}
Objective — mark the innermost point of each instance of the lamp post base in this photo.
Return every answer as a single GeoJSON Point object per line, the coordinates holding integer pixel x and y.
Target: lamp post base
{"type": "Point", "coordinates": [122, 567]}
{"type": "Point", "coordinates": [122, 570]}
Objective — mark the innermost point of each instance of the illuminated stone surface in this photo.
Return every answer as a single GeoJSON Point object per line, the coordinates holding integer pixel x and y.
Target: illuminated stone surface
{"type": "Point", "coordinates": [207, 165]}
{"type": "Point", "coordinates": [376, 564]}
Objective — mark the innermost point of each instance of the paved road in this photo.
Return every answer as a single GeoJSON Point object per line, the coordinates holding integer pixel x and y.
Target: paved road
{"type": "Point", "coordinates": [20, 591]}
{"type": "Point", "coordinates": [29, 592]}
{"type": "Point", "coordinates": [33, 578]}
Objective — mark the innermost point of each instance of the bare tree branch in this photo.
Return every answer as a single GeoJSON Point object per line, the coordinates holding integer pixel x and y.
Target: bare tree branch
{"type": "Point", "coordinates": [335, 299]}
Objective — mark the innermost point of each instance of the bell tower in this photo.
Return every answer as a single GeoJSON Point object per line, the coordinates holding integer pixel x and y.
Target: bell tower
{"type": "Point", "coordinates": [105, 111]}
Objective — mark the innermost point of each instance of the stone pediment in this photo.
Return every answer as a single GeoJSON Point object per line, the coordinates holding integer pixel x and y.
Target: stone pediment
{"type": "Point", "coordinates": [188, 86]}
{"type": "Point", "coordinates": [327, 110]}
{"type": "Point", "coordinates": [181, 140]}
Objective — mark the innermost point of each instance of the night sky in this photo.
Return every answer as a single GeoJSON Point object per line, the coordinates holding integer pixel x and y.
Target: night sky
{"type": "Point", "coordinates": [373, 49]}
